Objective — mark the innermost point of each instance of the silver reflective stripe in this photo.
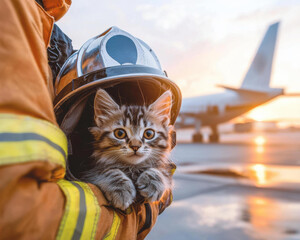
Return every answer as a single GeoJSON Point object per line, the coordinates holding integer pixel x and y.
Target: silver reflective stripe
{"type": "Point", "coordinates": [18, 137]}
{"type": "Point", "coordinates": [82, 213]}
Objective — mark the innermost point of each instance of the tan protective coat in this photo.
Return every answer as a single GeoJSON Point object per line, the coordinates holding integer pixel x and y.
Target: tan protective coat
{"type": "Point", "coordinates": [32, 203]}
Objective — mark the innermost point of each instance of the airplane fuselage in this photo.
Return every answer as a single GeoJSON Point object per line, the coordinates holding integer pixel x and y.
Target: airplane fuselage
{"type": "Point", "coordinates": [214, 109]}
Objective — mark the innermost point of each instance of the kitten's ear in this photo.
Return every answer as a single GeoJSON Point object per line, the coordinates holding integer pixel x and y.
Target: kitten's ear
{"type": "Point", "coordinates": [104, 106]}
{"type": "Point", "coordinates": [162, 106]}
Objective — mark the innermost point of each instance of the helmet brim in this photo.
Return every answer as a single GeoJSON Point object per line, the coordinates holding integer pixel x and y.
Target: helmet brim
{"type": "Point", "coordinates": [136, 85]}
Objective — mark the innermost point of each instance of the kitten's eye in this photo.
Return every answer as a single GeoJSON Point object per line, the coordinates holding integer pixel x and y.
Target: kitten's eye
{"type": "Point", "coordinates": [120, 133]}
{"type": "Point", "coordinates": [149, 134]}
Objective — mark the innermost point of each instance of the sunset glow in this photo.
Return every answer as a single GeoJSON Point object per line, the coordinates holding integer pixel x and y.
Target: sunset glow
{"type": "Point", "coordinates": [257, 114]}
{"type": "Point", "coordinates": [260, 173]}
{"type": "Point", "coordinates": [259, 140]}
{"type": "Point", "coordinates": [217, 47]}
{"type": "Point", "coordinates": [260, 149]}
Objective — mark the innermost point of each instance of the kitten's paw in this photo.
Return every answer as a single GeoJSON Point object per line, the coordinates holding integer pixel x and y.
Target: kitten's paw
{"type": "Point", "coordinates": [123, 195]}
{"type": "Point", "coordinates": [150, 184]}
{"type": "Point", "coordinates": [117, 188]}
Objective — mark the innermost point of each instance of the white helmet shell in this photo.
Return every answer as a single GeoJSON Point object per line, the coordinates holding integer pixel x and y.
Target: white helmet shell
{"type": "Point", "coordinates": [117, 62]}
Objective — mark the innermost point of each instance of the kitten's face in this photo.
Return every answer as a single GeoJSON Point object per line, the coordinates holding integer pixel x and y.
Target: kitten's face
{"type": "Point", "coordinates": [131, 134]}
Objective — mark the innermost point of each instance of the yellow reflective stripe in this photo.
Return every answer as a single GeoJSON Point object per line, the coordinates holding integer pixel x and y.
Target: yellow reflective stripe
{"type": "Point", "coordinates": [24, 139]}
{"type": "Point", "coordinates": [82, 211]}
{"type": "Point", "coordinates": [114, 228]}
{"type": "Point", "coordinates": [19, 152]}
{"type": "Point", "coordinates": [92, 214]}
{"type": "Point", "coordinates": [69, 220]}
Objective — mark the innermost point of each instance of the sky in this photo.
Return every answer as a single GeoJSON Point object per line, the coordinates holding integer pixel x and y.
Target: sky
{"type": "Point", "coordinates": [204, 43]}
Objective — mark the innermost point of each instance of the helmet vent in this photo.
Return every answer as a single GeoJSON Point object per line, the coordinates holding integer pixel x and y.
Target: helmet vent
{"type": "Point", "coordinates": [122, 49]}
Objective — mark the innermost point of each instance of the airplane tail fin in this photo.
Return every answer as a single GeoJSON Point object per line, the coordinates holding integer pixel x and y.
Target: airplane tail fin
{"type": "Point", "coordinates": [259, 73]}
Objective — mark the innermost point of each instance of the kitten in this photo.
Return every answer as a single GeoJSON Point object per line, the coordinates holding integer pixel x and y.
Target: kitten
{"type": "Point", "coordinates": [131, 150]}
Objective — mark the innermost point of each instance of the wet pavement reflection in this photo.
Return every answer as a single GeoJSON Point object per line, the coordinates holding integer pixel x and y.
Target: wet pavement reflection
{"type": "Point", "coordinates": [260, 175]}
{"type": "Point", "coordinates": [233, 213]}
{"type": "Point", "coordinates": [235, 190]}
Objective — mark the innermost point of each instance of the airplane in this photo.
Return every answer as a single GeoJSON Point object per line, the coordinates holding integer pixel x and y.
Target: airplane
{"type": "Point", "coordinates": [211, 110]}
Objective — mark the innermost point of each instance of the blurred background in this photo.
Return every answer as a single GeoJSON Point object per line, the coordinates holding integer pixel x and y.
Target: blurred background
{"type": "Point", "coordinates": [244, 184]}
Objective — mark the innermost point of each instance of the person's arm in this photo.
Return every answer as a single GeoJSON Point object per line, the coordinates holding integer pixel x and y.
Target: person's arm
{"type": "Point", "coordinates": [33, 207]}
{"type": "Point", "coordinates": [36, 202]}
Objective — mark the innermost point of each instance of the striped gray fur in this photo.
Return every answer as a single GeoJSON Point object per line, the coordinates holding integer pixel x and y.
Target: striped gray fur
{"type": "Point", "coordinates": [135, 165]}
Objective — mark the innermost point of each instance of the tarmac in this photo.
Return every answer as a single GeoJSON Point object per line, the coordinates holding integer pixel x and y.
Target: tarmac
{"type": "Point", "coordinates": [246, 187]}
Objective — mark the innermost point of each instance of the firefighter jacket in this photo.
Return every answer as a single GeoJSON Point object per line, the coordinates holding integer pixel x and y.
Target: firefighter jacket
{"type": "Point", "coordinates": [35, 200]}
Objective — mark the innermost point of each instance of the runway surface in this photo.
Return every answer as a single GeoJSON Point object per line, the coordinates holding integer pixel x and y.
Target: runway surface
{"type": "Point", "coordinates": [246, 187]}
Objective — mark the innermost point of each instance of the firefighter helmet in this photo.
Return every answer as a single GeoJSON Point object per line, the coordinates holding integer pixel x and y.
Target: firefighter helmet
{"type": "Point", "coordinates": [125, 66]}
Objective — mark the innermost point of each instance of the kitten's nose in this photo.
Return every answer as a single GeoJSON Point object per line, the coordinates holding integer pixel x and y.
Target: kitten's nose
{"type": "Point", "coordinates": [135, 144]}
{"type": "Point", "coordinates": [135, 148]}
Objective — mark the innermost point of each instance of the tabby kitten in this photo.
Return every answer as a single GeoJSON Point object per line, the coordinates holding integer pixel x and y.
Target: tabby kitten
{"type": "Point", "coordinates": [131, 150]}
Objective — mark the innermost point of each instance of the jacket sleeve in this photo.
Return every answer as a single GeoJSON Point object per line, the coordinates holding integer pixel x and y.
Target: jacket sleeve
{"type": "Point", "coordinates": [36, 202]}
